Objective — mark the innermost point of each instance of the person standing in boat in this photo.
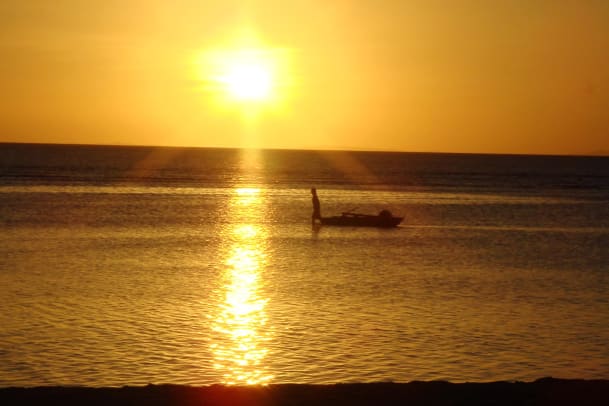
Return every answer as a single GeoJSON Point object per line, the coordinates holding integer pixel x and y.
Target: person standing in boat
{"type": "Point", "coordinates": [316, 207]}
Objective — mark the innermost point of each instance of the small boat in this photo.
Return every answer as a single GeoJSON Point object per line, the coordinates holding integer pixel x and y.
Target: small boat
{"type": "Point", "coordinates": [348, 219]}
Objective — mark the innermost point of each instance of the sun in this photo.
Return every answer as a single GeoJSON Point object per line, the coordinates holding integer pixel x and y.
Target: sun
{"type": "Point", "coordinates": [245, 76]}
{"type": "Point", "coordinates": [248, 80]}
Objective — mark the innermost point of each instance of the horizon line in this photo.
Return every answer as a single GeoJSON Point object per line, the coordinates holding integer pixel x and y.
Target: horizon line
{"type": "Point", "coordinates": [599, 154]}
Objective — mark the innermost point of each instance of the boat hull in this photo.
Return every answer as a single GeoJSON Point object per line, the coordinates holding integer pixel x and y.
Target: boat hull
{"type": "Point", "coordinates": [362, 220]}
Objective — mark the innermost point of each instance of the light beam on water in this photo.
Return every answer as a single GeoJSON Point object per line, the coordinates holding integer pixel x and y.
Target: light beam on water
{"type": "Point", "coordinates": [240, 344]}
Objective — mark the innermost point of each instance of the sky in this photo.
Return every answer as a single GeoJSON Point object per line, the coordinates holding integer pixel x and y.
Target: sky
{"type": "Point", "coordinates": [504, 76]}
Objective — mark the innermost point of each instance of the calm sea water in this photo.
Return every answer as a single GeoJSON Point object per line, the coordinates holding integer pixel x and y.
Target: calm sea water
{"type": "Point", "coordinates": [191, 266]}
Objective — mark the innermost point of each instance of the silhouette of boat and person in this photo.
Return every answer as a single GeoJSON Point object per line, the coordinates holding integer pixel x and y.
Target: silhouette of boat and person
{"type": "Point", "coordinates": [350, 219]}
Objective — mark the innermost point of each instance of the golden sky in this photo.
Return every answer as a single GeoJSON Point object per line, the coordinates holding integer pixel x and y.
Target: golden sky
{"type": "Point", "coordinates": [506, 76]}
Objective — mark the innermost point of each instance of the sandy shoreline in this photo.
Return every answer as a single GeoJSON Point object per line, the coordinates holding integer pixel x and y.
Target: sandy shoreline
{"type": "Point", "coordinates": [547, 391]}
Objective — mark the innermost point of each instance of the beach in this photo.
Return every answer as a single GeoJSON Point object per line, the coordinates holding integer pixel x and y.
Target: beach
{"type": "Point", "coordinates": [547, 391]}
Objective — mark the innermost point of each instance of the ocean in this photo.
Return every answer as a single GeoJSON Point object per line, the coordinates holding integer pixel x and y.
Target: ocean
{"type": "Point", "coordinates": [136, 265]}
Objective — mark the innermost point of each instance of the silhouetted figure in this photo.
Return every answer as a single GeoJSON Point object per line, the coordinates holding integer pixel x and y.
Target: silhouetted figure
{"type": "Point", "coordinates": [316, 208]}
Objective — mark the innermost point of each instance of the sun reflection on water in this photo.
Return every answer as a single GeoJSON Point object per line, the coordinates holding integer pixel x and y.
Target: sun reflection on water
{"type": "Point", "coordinates": [241, 342]}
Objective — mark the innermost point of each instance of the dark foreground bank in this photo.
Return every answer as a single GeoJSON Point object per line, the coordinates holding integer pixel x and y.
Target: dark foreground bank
{"type": "Point", "coordinates": [545, 391]}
